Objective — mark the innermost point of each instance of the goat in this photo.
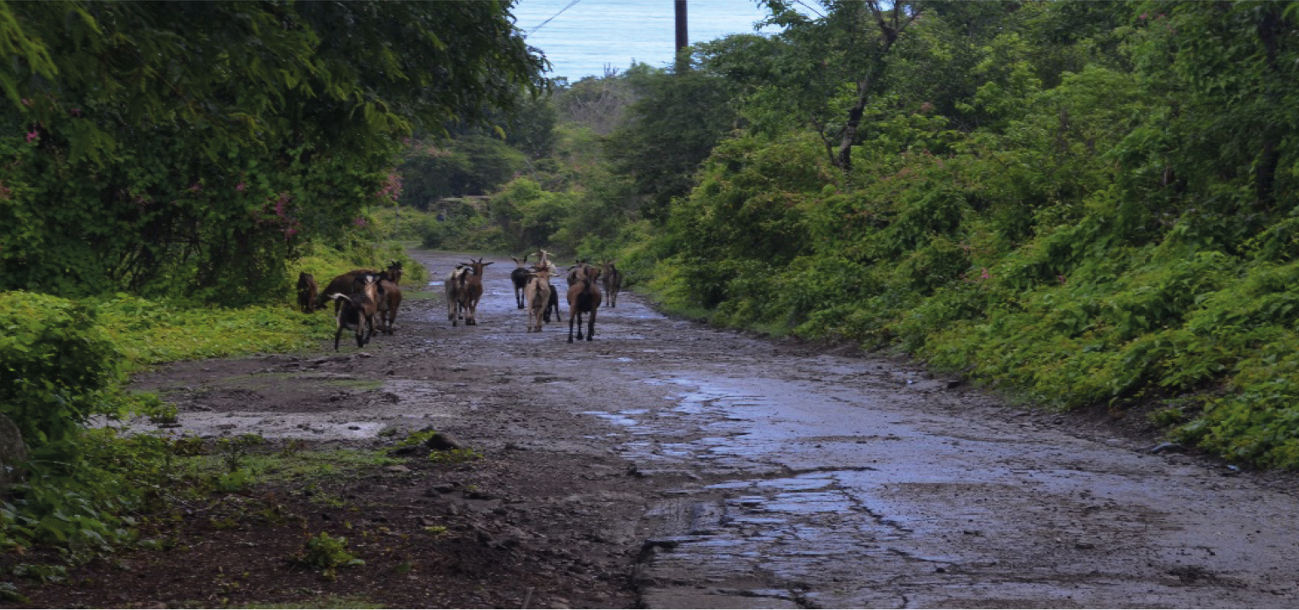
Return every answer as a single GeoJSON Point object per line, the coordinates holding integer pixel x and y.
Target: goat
{"type": "Point", "coordinates": [539, 295]}
{"type": "Point", "coordinates": [583, 297]}
{"type": "Point", "coordinates": [520, 276]}
{"type": "Point", "coordinates": [394, 272]}
{"type": "Point", "coordinates": [357, 310]}
{"type": "Point", "coordinates": [389, 300]}
{"type": "Point", "coordinates": [552, 305]}
{"type": "Point", "coordinates": [612, 279]}
{"type": "Point", "coordinates": [579, 267]}
{"type": "Point", "coordinates": [470, 290]}
{"type": "Point", "coordinates": [307, 289]}
{"type": "Point", "coordinates": [544, 264]}
{"type": "Point", "coordinates": [453, 287]}
{"type": "Point", "coordinates": [341, 285]}
{"type": "Point", "coordinates": [543, 260]}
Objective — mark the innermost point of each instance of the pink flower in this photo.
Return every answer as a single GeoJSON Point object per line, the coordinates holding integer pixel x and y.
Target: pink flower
{"type": "Point", "coordinates": [75, 112]}
{"type": "Point", "coordinates": [32, 135]}
{"type": "Point", "coordinates": [240, 187]}
{"type": "Point", "coordinates": [985, 275]}
{"type": "Point", "coordinates": [1061, 278]}
{"type": "Point", "coordinates": [196, 187]}
{"type": "Point", "coordinates": [27, 102]}
{"type": "Point", "coordinates": [358, 221]}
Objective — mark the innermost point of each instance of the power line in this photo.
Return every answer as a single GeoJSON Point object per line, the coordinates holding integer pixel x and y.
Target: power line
{"type": "Point", "coordinates": [810, 8]}
{"type": "Point", "coordinates": [561, 12]}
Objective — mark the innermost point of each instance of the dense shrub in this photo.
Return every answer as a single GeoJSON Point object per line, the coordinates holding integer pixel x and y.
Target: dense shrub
{"type": "Point", "coordinates": [59, 366]}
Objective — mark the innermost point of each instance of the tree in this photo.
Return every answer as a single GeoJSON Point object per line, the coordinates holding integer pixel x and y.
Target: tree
{"type": "Point", "coordinates": [850, 44]}
{"type": "Point", "coordinates": [195, 146]}
{"type": "Point", "coordinates": [667, 133]}
{"type": "Point", "coordinates": [1227, 73]}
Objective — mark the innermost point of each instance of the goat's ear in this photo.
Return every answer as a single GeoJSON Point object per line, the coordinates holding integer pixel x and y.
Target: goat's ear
{"type": "Point", "coordinates": [486, 264]}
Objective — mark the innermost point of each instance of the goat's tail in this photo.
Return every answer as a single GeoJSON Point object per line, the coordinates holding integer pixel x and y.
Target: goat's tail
{"type": "Point", "coordinates": [339, 295]}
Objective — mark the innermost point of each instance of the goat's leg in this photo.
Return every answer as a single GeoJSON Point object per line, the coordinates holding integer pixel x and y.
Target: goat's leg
{"type": "Point", "coordinates": [338, 327]}
{"type": "Point", "coordinates": [571, 315]}
{"type": "Point", "coordinates": [590, 326]}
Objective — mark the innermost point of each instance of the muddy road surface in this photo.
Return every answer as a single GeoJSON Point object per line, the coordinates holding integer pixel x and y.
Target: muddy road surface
{"type": "Point", "coordinates": [666, 464]}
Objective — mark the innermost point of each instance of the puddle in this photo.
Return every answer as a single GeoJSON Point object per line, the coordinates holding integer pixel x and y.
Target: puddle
{"type": "Point", "coordinates": [615, 418]}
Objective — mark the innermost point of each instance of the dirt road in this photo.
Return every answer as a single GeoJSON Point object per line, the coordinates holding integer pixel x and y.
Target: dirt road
{"type": "Point", "coordinates": [680, 466]}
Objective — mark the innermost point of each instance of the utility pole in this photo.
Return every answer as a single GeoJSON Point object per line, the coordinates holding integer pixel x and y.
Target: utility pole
{"type": "Point", "coordinates": [683, 40]}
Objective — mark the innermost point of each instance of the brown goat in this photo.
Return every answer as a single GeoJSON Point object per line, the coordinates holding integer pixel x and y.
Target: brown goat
{"type": "Point", "coordinates": [344, 283]}
{"type": "Point", "coordinates": [357, 310]}
{"type": "Point", "coordinates": [341, 285]}
{"type": "Point", "coordinates": [389, 301]}
{"type": "Point", "coordinates": [469, 291]}
{"type": "Point", "coordinates": [579, 267]}
{"type": "Point", "coordinates": [612, 279]}
{"type": "Point", "coordinates": [307, 289]}
{"type": "Point", "coordinates": [584, 297]}
{"type": "Point", "coordinates": [394, 272]}
{"type": "Point", "coordinates": [539, 295]}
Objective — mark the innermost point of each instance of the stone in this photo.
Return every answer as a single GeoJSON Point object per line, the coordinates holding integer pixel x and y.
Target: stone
{"type": "Point", "coordinates": [443, 442]}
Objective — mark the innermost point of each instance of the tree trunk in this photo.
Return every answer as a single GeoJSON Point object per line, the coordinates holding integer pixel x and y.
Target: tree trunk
{"type": "Point", "coordinates": [844, 160]}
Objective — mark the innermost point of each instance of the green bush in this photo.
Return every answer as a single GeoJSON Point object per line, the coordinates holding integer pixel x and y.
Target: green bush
{"type": "Point", "coordinates": [59, 366]}
{"type": "Point", "coordinates": [327, 553]}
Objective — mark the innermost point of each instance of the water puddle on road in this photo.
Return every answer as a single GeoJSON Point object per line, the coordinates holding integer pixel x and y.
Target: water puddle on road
{"type": "Point", "coordinates": [621, 418]}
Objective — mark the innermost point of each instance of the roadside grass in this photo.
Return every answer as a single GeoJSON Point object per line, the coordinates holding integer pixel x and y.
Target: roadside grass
{"type": "Point", "coordinates": [148, 333]}
{"type": "Point", "coordinates": [265, 465]}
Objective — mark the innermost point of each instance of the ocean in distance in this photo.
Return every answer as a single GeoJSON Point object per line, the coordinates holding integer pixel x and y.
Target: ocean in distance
{"type": "Point", "coordinates": [591, 35]}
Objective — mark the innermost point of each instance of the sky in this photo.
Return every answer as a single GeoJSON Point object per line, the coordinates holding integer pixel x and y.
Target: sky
{"type": "Point", "coordinates": [586, 37]}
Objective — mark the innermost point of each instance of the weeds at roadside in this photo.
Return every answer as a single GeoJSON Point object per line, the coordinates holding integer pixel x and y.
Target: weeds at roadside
{"type": "Point", "coordinates": [327, 553]}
